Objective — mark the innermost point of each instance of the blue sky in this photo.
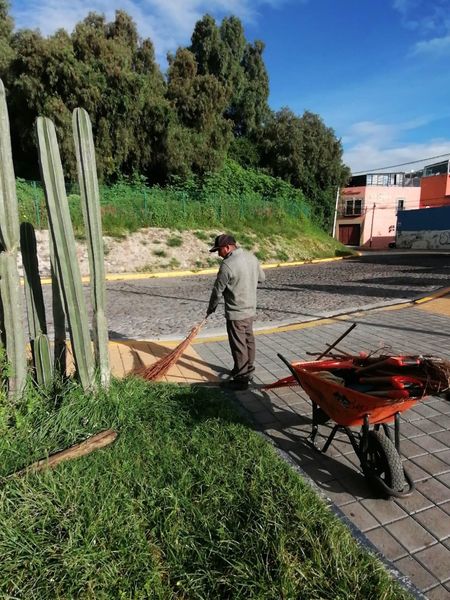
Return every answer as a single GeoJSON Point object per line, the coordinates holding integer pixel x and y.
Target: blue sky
{"type": "Point", "coordinates": [376, 71]}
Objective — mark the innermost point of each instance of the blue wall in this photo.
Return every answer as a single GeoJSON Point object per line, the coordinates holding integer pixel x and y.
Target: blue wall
{"type": "Point", "coordinates": [424, 219]}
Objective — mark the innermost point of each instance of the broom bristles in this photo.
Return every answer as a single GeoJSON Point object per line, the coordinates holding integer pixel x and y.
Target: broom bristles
{"type": "Point", "coordinates": [160, 367]}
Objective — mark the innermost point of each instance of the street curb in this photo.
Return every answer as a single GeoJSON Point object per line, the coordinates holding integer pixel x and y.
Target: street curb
{"type": "Point", "coordinates": [344, 316]}
{"type": "Point", "coordinates": [209, 271]}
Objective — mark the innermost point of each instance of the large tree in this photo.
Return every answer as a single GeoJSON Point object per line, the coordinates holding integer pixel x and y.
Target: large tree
{"type": "Point", "coordinates": [307, 153]}
{"type": "Point", "coordinates": [6, 29]}
{"type": "Point", "coordinates": [200, 135]}
{"type": "Point", "coordinates": [224, 53]}
{"type": "Point", "coordinates": [106, 69]}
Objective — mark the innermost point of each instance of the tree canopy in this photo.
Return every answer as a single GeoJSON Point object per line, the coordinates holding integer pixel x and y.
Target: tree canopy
{"type": "Point", "coordinates": [211, 104]}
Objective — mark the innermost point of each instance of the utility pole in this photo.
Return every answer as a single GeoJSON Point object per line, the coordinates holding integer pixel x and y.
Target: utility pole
{"type": "Point", "coordinates": [335, 212]}
{"type": "Point", "coordinates": [371, 226]}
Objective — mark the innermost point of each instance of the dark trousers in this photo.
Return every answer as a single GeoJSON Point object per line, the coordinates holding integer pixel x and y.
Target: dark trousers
{"type": "Point", "coordinates": [242, 345]}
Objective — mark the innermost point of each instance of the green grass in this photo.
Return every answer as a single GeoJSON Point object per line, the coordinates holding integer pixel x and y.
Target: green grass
{"type": "Point", "coordinates": [174, 242]}
{"type": "Point", "coordinates": [188, 503]}
{"type": "Point", "coordinates": [160, 253]}
{"type": "Point", "coordinates": [202, 235]}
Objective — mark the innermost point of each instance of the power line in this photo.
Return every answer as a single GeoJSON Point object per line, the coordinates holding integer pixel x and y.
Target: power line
{"type": "Point", "coordinates": [411, 162]}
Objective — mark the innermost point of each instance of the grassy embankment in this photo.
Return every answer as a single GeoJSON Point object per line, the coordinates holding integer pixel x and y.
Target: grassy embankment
{"type": "Point", "coordinates": [267, 215]}
{"type": "Point", "coordinates": [187, 503]}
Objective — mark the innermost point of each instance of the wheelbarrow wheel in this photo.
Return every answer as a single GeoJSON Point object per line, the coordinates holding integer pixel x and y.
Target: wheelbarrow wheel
{"type": "Point", "coordinates": [383, 465]}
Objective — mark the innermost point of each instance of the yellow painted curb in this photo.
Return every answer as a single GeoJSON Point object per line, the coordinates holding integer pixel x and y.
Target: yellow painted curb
{"type": "Point", "coordinates": [190, 273]}
{"type": "Point", "coordinates": [438, 294]}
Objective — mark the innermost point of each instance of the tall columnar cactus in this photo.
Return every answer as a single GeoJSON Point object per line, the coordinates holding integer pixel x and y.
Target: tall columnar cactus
{"type": "Point", "coordinates": [59, 317]}
{"type": "Point", "coordinates": [9, 276]}
{"type": "Point", "coordinates": [90, 203]}
{"type": "Point", "coordinates": [34, 300]}
{"type": "Point", "coordinates": [65, 251]}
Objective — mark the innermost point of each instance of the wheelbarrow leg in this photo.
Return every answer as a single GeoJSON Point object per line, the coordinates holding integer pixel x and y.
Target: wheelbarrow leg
{"type": "Point", "coordinates": [315, 424]}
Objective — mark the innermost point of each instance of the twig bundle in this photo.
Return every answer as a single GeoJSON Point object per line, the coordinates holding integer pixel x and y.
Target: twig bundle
{"type": "Point", "coordinates": [160, 368]}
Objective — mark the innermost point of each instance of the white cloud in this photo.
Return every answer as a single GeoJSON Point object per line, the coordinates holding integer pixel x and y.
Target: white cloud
{"type": "Point", "coordinates": [370, 146]}
{"type": "Point", "coordinates": [169, 23]}
{"type": "Point", "coordinates": [436, 47]}
{"type": "Point", "coordinates": [430, 22]}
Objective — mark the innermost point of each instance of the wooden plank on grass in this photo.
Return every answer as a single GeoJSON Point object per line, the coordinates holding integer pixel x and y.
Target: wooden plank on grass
{"type": "Point", "coordinates": [100, 440]}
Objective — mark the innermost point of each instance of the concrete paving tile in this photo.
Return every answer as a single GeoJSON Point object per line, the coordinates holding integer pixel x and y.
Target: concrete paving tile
{"type": "Point", "coordinates": [445, 479]}
{"type": "Point", "coordinates": [262, 417]}
{"type": "Point", "coordinates": [430, 444]}
{"type": "Point", "coordinates": [337, 493]}
{"type": "Point", "coordinates": [386, 544]}
{"type": "Point", "coordinates": [437, 560]}
{"type": "Point", "coordinates": [416, 473]}
{"type": "Point", "coordinates": [436, 521]}
{"type": "Point", "coordinates": [411, 449]}
{"type": "Point", "coordinates": [420, 576]}
{"type": "Point", "coordinates": [444, 437]}
{"type": "Point", "coordinates": [444, 455]}
{"type": "Point", "coordinates": [442, 419]}
{"type": "Point", "coordinates": [446, 507]}
{"type": "Point", "coordinates": [426, 410]}
{"type": "Point", "coordinates": [442, 406]}
{"type": "Point", "coordinates": [435, 490]}
{"type": "Point", "coordinates": [414, 416]}
{"type": "Point", "coordinates": [414, 503]}
{"type": "Point", "coordinates": [385, 511]}
{"type": "Point", "coordinates": [438, 593]}
{"type": "Point", "coordinates": [411, 534]}
{"type": "Point", "coordinates": [409, 431]}
{"type": "Point", "coordinates": [360, 516]}
{"type": "Point", "coordinates": [431, 464]}
{"type": "Point", "coordinates": [427, 426]}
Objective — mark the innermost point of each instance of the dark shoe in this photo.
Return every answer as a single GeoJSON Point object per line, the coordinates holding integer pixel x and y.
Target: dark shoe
{"type": "Point", "coordinates": [235, 384]}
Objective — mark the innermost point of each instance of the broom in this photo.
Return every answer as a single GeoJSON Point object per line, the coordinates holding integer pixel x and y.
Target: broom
{"type": "Point", "coordinates": [160, 368]}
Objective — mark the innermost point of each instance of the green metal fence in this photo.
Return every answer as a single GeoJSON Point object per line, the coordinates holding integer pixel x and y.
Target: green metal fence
{"type": "Point", "coordinates": [128, 207]}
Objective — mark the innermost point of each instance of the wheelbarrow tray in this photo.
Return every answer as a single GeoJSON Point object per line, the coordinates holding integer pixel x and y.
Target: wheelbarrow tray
{"type": "Point", "coordinates": [344, 405]}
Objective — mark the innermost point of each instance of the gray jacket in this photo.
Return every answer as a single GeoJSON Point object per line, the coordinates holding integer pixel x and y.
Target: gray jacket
{"type": "Point", "coordinates": [237, 279]}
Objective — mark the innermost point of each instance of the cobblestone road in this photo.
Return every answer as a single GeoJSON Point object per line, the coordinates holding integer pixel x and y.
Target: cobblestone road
{"type": "Point", "coordinates": [169, 307]}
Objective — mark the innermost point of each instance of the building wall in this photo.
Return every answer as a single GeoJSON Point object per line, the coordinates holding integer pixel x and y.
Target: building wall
{"type": "Point", "coordinates": [424, 229]}
{"type": "Point", "coordinates": [379, 218]}
{"type": "Point", "coordinates": [435, 190]}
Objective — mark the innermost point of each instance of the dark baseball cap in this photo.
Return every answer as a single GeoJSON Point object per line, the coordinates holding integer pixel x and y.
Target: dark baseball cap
{"type": "Point", "coordinates": [223, 240]}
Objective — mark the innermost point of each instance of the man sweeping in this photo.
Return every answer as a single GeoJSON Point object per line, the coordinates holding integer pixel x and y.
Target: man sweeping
{"type": "Point", "coordinates": [237, 280]}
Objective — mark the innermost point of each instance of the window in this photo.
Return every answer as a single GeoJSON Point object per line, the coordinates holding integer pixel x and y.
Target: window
{"type": "Point", "coordinates": [353, 206]}
{"type": "Point", "coordinates": [385, 179]}
{"type": "Point", "coordinates": [400, 203]}
{"type": "Point", "coordinates": [436, 169]}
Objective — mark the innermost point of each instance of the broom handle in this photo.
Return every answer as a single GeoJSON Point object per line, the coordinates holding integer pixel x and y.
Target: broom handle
{"type": "Point", "coordinates": [336, 342]}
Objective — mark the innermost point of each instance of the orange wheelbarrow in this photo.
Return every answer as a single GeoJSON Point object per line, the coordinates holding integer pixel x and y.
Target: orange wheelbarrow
{"type": "Point", "coordinates": [376, 448]}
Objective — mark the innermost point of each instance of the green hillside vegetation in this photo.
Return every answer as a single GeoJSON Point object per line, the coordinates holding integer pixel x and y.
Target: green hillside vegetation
{"type": "Point", "coordinates": [259, 209]}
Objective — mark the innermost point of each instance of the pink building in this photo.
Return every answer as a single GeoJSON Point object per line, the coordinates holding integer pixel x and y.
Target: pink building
{"type": "Point", "coordinates": [367, 208]}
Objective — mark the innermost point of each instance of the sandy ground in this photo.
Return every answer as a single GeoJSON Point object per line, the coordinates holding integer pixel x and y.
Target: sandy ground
{"type": "Point", "coordinates": [147, 250]}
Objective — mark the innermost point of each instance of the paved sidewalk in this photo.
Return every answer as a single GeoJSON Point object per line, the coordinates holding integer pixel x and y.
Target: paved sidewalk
{"type": "Point", "coordinates": [412, 533]}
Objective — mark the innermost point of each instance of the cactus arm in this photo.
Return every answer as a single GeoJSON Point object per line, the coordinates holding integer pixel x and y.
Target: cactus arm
{"type": "Point", "coordinates": [59, 317]}
{"type": "Point", "coordinates": [43, 360]}
{"type": "Point", "coordinates": [9, 276]}
{"type": "Point", "coordinates": [9, 214]}
{"type": "Point", "coordinates": [37, 325]}
{"type": "Point", "coordinates": [12, 317]}
{"type": "Point", "coordinates": [33, 289]}
{"type": "Point", "coordinates": [90, 203]}
{"type": "Point", "coordinates": [65, 250]}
